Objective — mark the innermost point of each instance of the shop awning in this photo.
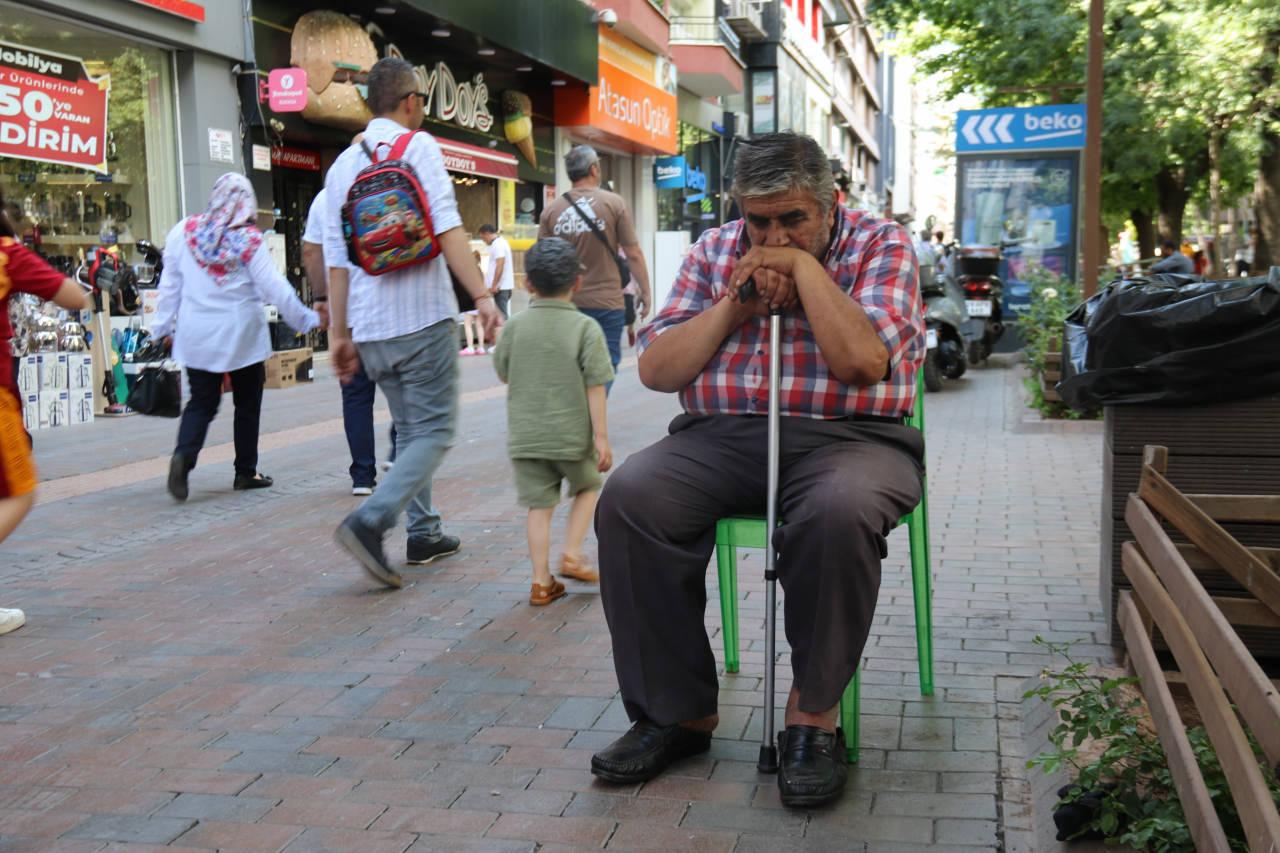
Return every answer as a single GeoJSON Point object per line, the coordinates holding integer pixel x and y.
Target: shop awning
{"type": "Point", "coordinates": [474, 160]}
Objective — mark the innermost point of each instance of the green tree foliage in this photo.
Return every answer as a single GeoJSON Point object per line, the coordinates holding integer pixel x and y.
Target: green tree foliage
{"type": "Point", "coordinates": [1177, 73]}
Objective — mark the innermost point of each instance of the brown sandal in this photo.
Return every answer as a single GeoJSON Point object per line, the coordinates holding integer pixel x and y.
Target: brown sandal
{"type": "Point", "coordinates": [540, 595]}
{"type": "Point", "coordinates": [578, 568]}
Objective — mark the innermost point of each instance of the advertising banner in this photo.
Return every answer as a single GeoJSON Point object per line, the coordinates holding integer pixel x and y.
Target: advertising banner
{"type": "Point", "coordinates": [1027, 205]}
{"type": "Point", "coordinates": [51, 110]}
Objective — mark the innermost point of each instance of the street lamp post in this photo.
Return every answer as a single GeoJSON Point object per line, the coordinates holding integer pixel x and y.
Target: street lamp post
{"type": "Point", "coordinates": [1093, 153]}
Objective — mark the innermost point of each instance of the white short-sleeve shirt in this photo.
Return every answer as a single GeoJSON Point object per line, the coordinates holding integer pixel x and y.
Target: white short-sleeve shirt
{"type": "Point", "coordinates": [500, 249]}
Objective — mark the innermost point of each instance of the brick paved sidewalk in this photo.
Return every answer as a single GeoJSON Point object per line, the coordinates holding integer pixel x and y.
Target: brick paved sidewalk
{"type": "Point", "coordinates": [217, 676]}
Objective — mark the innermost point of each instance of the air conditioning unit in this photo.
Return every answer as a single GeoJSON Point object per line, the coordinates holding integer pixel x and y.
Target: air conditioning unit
{"type": "Point", "coordinates": [744, 18]}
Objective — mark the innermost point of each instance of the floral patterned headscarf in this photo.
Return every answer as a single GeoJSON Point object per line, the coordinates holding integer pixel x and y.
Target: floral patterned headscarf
{"type": "Point", "coordinates": [225, 236]}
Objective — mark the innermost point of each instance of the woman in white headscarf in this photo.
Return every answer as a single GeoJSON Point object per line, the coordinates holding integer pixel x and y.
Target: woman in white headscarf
{"type": "Point", "coordinates": [217, 276]}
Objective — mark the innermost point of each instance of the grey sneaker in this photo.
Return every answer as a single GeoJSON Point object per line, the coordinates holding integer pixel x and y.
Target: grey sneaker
{"type": "Point", "coordinates": [366, 546]}
{"type": "Point", "coordinates": [423, 551]}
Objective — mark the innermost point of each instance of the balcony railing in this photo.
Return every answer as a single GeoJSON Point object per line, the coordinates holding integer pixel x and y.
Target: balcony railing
{"type": "Point", "coordinates": [700, 30]}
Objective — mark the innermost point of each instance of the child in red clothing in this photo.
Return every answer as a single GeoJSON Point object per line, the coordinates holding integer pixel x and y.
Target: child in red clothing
{"type": "Point", "coordinates": [21, 271]}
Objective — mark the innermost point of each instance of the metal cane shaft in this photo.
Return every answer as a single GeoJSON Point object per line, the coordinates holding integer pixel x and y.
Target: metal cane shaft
{"type": "Point", "coordinates": [768, 748]}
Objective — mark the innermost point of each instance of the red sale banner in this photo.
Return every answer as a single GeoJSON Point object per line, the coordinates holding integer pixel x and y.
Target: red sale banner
{"type": "Point", "coordinates": [51, 110]}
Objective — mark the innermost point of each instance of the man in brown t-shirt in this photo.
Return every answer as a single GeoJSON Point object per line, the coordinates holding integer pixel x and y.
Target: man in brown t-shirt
{"type": "Point", "coordinates": [601, 294]}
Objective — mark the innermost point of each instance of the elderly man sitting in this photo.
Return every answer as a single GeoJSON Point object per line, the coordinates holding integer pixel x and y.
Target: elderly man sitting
{"type": "Point", "coordinates": [852, 340]}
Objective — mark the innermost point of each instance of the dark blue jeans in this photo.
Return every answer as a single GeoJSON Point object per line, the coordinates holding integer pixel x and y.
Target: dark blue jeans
{"type": "Point", "coordinates": [357, 420]}
{"type": "Point", "coordinates": [612, 321]}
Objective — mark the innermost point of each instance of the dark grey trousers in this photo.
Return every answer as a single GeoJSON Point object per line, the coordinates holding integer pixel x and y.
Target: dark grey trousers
{"type": "Point", "coordinates": [843, 485]}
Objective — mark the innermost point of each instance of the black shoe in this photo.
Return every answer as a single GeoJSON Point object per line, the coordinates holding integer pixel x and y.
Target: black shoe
{"type": "Point", "coordinates": [646, 751]}
{"type": "Point", "coordinates": [257, 481]}
{"type": "Point", "coordinates": [423, 551]}
{"type": "Point", "coordinates": [811, 766]}
{"type": "Point", "coordinates": [366, 546]}
{"type": "Point", "coordinates": [178, 470]}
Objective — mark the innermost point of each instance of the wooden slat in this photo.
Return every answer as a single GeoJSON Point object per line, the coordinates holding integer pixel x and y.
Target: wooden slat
{"type": "Point", "coordinates": [1249, 686]}
{"type": "Point", "coordinates": [1252, 508]}
{"type": "Point", "coordinates": [1197, 805]}
{"type": "Point", "coordinates": [1199, 561]}
{"type": "Point", "coordinates": [1052, 375]}
{"type": "Point", "coordinates": [1250, 572]}
{"type": "Point", "coordinates": [1245, 612]}
{"type": "Point", "coordinates": [1249, 789]}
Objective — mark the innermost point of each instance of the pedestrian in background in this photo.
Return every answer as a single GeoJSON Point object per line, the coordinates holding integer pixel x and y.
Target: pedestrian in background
{"type": "Point", "coordinates": [22, 271]}
{"type": "Point", "coordinates": [402, 328]}
{"type": "Point", "coordinates": [358, 394]}
{"type": "Point", "coordinates": [502, 276]}
{"type": "Point", "coordinates": [556, 365]}
{"type": "Point", "coordinates": [597, 223]}
{"type": "Point", "coordinates": [218, 274]}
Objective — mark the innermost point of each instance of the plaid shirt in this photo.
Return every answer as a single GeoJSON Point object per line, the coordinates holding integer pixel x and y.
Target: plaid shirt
{"type": "Point", "coordinates": [870, 259]}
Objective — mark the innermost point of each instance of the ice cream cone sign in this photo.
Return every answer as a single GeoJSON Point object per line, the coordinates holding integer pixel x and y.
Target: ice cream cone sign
{"type": "Point", "coordinates": [336, 53]}
{"type": "Point", "coordinates": [517, 123]}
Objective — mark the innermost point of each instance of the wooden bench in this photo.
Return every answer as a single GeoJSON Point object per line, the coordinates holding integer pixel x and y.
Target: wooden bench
{"type": "Point", "coordinates": [1200, 631]}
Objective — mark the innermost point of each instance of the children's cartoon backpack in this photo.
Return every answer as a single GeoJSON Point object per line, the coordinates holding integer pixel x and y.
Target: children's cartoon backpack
{"type": "Point", "coordinates": [386, 219]}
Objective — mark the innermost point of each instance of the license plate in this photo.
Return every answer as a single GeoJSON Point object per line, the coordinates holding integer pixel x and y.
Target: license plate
{"type": "Point", "coordinates": [977, 307]}
{"type": "Point", "coordinates": [931, 338]}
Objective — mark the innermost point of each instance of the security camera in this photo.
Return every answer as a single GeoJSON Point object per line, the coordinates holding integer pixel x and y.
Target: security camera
{"type": "Point", "coordinates": [608, 17]}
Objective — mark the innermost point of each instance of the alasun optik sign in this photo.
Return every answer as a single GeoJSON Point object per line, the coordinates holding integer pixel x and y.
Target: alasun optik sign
{"type": "Point", "coordinates": [1057, 127]}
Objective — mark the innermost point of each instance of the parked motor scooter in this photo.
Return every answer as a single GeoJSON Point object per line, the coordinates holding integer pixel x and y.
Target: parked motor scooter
{"type": "Point", "coordinates": [975, 273]}
{"type": "Point", "coordinates": [944, 318]}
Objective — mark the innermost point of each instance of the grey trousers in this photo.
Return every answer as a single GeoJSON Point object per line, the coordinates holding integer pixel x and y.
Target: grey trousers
{"type": "Point", "coordinates": [842, 487]}
{"type": "Point", "coordinates": [418, 373]}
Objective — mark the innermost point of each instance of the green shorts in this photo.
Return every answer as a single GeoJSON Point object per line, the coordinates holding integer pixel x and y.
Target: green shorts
{"type": "Point", "coordinates": [538, 480]}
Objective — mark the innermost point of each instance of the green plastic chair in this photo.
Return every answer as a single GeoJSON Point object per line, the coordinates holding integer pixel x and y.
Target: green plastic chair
{"type": "Point", "coordinates": [749, 532]}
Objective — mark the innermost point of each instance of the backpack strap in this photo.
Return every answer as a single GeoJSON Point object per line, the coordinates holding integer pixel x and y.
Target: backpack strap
{"type": "Point", "coordinates": [402, 144]}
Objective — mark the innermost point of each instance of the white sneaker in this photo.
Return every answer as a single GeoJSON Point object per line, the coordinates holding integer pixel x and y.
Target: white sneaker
{"type": "Point", "coordinates": [362, 491]}
{"type": "Point", "coordinates": [386, 466]}
{"type": "Point", "coordinates": [11, 619]}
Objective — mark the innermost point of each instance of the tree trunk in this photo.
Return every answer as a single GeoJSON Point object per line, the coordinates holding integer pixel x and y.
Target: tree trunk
{"type": "Point", "coordinates": [1215, 200]}
{"type": "Point", "coordinates": [1171, 195]}
{"type": "Point", "coordinates": [1267, 204]}
{"type": "Point", "coordinates": [1145, 223]}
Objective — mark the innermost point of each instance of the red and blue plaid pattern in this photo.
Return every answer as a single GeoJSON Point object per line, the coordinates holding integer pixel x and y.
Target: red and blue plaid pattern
{"type": "Point", "coordinates": [870, 259]}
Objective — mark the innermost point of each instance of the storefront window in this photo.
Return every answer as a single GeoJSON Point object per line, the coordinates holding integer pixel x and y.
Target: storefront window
{"type": "Point", "coordinates": [689, 183]}
{"type": "Point", "coordinates": [87, 136]}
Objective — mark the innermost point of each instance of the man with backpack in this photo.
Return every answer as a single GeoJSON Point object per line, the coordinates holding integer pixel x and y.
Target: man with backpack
{"type": "Point", "coordinates": [392, 306]}
{"type": "Point", "coordinates": [597, 223]}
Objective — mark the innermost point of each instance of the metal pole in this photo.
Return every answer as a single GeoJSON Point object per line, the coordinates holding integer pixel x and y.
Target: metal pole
{"type": "Point", "coordinates": [1093, 153]}
{"type": "Point", "coordinates": [768, 762]}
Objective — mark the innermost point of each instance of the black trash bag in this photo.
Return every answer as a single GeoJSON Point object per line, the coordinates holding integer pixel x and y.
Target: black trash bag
{"type": "Point", "coordinates": [157, 392]}
{"type": "Point", "coordinates": [1165, 342]}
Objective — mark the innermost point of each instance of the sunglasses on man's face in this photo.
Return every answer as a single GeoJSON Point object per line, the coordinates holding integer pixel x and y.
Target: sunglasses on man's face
{"type": "Point", "coordinates": [422, 95]}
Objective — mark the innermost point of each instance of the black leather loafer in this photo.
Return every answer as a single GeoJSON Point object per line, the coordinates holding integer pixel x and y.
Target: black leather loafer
{"type": "Point", "coordinates": [257, 481]}
{"type": "Point", "coordinates": [178, 470]}
{"type": "Point", "coordinates": [811, 766]}
{"type": "Point", "coordinates": [646, 750]}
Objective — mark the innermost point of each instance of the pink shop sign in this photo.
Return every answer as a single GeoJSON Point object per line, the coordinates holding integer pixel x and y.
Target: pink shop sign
{"type": "Point", "coordinates": [287, 90]}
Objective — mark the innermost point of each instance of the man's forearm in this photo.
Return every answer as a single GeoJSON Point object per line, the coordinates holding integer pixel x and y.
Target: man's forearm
{"type": "Point", "coordinates": [457, 254]}
{"type": "Point", "coordinates": [678, 355]}
{"type": "Point", "coordinates": [338, 282]}
{"type": "Point", "coordinates": [313, 266]}
{"type": "Point", "coordinates": [639, 270]}
{"type": "Point", "coordinates": [845, 336]}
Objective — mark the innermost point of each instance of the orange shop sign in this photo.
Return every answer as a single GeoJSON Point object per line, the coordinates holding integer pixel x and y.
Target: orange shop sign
{"type": "Point", "coordinates": [627, 110]}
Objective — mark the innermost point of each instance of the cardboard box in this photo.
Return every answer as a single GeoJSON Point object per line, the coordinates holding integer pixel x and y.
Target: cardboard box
{"type": "Point", "coordinates": [288, 368]}
{"type": "Point", "coordinates": [52, 367]}
{"type": "Point", "coordinates": [79, 371]}
{"type": "Point", "coordinates": [28, 375]}
{"type": "Point", "coordinates": [82, 406]}
{"type": "Point", "coordinates": [30, 411]}
{"type": "Point", "coordinates": [55, 409]}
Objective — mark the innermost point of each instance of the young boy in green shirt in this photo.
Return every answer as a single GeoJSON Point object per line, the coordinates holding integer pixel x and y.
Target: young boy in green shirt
{"type": "Point", "coordinates": [555, 362]}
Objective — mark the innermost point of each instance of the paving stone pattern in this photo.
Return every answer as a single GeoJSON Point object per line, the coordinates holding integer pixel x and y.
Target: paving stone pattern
{"type": "Point", "coordinates": [217, 675]}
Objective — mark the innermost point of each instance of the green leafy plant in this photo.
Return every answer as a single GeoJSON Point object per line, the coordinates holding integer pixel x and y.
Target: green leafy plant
{"type": "Point", "coordinates": [1104, 740]}
{"type": "Point", "coordinates": [1052, 299]}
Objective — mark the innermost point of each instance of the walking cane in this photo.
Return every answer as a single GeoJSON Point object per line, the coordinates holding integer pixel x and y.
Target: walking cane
{"type": "Point", "coordinates": [768, 762]}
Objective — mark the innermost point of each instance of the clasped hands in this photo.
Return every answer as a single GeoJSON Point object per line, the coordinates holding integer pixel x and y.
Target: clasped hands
{"type": "Point", "coordinates": [774, 270]}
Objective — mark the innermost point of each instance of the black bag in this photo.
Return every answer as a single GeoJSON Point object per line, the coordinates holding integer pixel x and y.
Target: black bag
{"type": "Point", "coordinates": [624, 269]}
{"type": "Point", "coordinates": [1167, 340]}
{"type": "Point", "coordinates": [156, 393]}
